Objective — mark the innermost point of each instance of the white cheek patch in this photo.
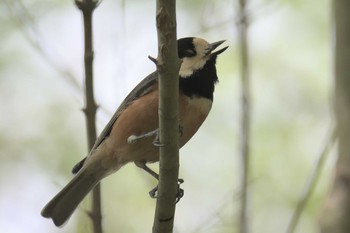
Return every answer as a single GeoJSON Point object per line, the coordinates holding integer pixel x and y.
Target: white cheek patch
{"type": "Point", "coordinates": [191, 64]}
{"type": "Point", "coordinates": [200, 44]}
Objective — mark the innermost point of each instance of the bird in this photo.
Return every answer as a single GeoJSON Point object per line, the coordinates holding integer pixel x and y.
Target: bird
{"type": "Point", "coordinates": [131, 134]}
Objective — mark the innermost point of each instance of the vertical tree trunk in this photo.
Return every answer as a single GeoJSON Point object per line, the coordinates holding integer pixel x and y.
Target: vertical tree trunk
{"type": "Point", "coordinates": [168, 65]}
{"type": "Point", "coordinates": [245, 123]}
{"type": "Point", "coordinates": [336, 215]}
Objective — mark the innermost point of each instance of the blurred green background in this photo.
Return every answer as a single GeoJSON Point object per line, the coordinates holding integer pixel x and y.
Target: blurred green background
{"type": "Point", "coordinates": [43, 128]}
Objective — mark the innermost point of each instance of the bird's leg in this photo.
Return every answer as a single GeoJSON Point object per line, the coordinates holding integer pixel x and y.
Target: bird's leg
{"type": "Point", "coordinates": [153, 192]}
{"type": "Point", "coordinates": [134, 138]}
{"type": "Point", "coordinates": [156, 142]}
{"type": "Point", "coordinates": [142, 165]}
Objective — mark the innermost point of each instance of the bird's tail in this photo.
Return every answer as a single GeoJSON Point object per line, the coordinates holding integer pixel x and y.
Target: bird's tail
{"type": "Point", "coordinates": [61, 207]}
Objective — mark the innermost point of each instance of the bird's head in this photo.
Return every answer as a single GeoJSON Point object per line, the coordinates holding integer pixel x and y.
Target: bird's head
{"type": "Point", "coordinates": [195, 53]}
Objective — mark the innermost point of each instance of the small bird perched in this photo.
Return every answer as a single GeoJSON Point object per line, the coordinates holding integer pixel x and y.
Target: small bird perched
{"type": "Point", "coordinates": [132, 132]}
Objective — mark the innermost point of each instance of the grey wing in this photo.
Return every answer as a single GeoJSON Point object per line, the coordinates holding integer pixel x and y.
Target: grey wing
{"type": "Point", "coordinates": [140, 90]}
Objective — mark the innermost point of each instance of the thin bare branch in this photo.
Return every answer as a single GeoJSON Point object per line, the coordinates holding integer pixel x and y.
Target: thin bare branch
{"type": "Point", "coordinates": [312, 182]}
{"type": "Point", "coordinates": [87, 8]}
{"type": "Point", "coordinates": [168, 65]}
{"type": "Point", "coordinates": [154, 60]}
{"type": "Point", "coordinates": [336, 210]}
{"type": "Point", "coordinates": [243, 25]}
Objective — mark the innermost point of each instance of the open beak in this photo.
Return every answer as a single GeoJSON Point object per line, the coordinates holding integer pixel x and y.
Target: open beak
{"type": "Point", "coordinates": [213, 46]}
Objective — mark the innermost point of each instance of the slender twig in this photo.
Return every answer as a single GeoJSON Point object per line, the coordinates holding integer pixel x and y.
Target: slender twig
{"type": "Point", "coordinates": [312, 182]}
{"type": "Point", "coordinates": [168, 65]}
{"type": "Point", "coordinates": [246, 115]}
{"type": "Point", "coordinates": [87, 8]}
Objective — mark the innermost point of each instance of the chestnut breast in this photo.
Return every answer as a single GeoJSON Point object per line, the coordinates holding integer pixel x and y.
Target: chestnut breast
{"type": "Point", "coordinates": [141, 117]}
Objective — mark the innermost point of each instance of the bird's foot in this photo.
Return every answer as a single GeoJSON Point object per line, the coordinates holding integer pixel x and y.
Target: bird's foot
{"type": "Point", "coordinates": [180, 192]}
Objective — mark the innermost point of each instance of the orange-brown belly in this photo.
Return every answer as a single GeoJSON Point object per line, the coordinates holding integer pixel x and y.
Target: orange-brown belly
{"type": "Point", "coordinates": [142, 117]}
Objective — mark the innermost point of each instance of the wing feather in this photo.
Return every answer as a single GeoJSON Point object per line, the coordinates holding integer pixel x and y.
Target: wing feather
{"type": "Point", "coordinates": [144, 87]}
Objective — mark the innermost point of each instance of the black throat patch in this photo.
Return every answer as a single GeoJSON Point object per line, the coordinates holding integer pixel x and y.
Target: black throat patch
{"type": "Point", "coordinates": [201, 83]}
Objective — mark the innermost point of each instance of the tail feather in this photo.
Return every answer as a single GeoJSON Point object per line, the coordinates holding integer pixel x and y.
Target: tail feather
{"type": "Point", "coordinates": [61, 207]}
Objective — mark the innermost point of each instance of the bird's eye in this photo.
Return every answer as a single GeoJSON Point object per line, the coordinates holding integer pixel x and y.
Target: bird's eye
{"type": "Point", "coordinates": [189, 53]}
